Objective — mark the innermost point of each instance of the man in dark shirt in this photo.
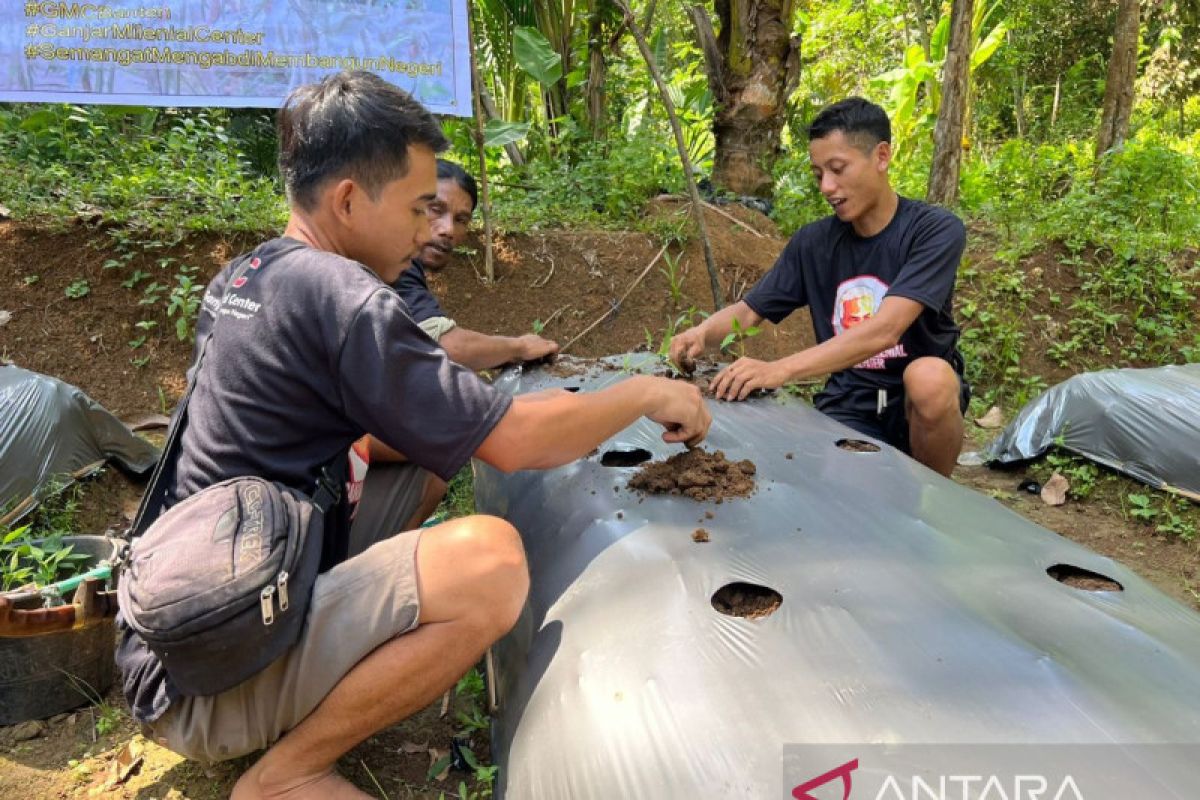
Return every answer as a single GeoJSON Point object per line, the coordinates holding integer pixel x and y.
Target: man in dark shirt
{"type": "Point", "coordinates": [449, 218]}
{"type": "Point", "coordinates": [878, 276]}
{"type": "Point", "coordinates": [309, 349]}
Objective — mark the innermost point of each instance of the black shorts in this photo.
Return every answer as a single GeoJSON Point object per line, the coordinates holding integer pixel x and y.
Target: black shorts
{"type": "Point", "coordinates": [859, 408]}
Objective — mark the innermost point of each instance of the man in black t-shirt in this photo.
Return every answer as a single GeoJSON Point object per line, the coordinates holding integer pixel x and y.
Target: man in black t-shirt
{"type": "Point", "coordinates": [449, 218]}
{"type": "Point", "coordinates": [307, 350]}
{"type": "Point", "coordinates": [878, 276]}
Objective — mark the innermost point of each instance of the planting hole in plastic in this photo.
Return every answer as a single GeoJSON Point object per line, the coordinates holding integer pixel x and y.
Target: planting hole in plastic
{"type": "Point", "coordinates": [1085, 579]}
{"type": "Point", "coordinates": [857, 446]}
{"type": "Point", "coordinates": [748, 600]}
{"type": "Point", "coordinates": [625, 458]}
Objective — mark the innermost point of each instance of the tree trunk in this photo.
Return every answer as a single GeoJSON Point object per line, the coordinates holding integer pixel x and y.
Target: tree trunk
{"type": "Point", "coordinates": [1122, 73]}
{"type": "Point", "coordinates": [1057, 97]}
{"type": "Point", "coordinates": [948, 134]}
{"type": "Point", "coordinates": [752, 65]}
{"type": "Point", "coordinates": [1019, 105]}
{"type": "Point", "coordinates": [597, 99]}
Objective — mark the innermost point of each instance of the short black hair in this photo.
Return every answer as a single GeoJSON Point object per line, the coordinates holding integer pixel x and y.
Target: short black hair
{"type": "Point", "coordinates": [858, 119]}
{"type": "Point", "coordinates": [449, 171]}
{"type": "Point", "coordinates": [350, 125]}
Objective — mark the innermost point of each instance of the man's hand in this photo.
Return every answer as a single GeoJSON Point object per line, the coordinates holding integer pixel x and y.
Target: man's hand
{"type": "Point", "coordinates": [532, 348]}
{"type": "Point", "coordinates": [680, 409]}
{"type": "Point", "coordinates": [743, 376]}
{"type": "Point", "coordinates": [687, 346]}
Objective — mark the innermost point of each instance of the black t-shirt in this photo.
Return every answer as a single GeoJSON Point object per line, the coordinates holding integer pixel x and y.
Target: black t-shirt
{"type": "Point", "coordinates": [413, 288]}
{"type": "Point", "coordinates": [311, 351]}
{"type": "Point", "coordinates": [843, 277]}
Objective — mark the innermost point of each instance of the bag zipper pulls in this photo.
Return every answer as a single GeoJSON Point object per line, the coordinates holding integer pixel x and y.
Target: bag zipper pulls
{"type": "Point", "coordinates": [283, 594]}
{"type": "Point", "coordinates": [268, 608]}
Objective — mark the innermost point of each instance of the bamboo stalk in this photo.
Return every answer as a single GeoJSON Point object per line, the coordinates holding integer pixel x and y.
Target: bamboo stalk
{"type": "Point", "coordinates": [688, 172]}
{"type": "Point", "coordinates": [617, 304]}
{"type": "Point", "coordinates": [485, 198]}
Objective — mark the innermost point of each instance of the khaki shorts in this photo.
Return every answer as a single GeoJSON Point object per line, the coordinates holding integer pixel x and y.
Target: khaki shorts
{"type": "Point", "coordinates": [356, 606]}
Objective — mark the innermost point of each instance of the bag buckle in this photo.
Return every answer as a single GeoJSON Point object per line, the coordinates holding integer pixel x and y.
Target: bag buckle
{"type": "Point", "coordinates": [328, 491]}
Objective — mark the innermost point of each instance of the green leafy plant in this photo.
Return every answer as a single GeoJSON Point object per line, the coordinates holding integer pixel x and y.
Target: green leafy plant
{"type": "Point", "coordinates": [133, 280]}
{"type": "Point", "coordinates": [184, 301]}
{"type": "Point", "coordinates": [674, 276]}
{"type": "Point", "coordinates": [1141, 507]}
{"type": "Point", "coordinates": [107, 716]}
{"type": "Point", "coordinates": [24, 560]}
{"type": "Point", "coordinates": [738, 337]}
{"type": "Point", "coordinates": [78, 289]}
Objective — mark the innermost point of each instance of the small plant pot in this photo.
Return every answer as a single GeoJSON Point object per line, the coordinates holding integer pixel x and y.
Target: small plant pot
{"type": "Point", "coordinates": [41, 676]}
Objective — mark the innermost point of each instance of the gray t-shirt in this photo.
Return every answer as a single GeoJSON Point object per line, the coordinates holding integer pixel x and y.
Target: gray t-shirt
{"type": "Point", "coordinates": [309, 352]}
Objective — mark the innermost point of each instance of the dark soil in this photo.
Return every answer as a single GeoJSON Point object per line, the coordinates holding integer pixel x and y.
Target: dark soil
{"type": "Point", "coordinates": [697, 474]}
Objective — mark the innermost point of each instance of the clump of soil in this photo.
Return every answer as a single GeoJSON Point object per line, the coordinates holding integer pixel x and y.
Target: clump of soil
{"type": "Point", "coordinates": [747, 600]}
{"type": "Point", "coordinates": [697, 474]}
{"type": "Point", "coordinates": [700, 536]}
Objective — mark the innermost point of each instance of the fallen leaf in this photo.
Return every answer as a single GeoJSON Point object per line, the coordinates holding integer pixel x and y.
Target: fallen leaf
{"type": "Point", "coordinates": [445, 705]}
{"type": "Point", "coordinates": [1054, 491]}
{"type": "Point", "coordinates": [5, 317]}
{"type": "Point", "coordinates": [129, 759]}
{"type": "Point", "coordinates": [414, 747]}
{"type": "Point", "coordinates": [992, 419]}
{"type": "Point", "coordinates": [436, 756]}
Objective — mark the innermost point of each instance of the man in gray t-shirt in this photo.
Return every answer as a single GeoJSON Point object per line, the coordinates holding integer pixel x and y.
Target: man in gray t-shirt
{"type": "Point", "coordinates": [309, 350]}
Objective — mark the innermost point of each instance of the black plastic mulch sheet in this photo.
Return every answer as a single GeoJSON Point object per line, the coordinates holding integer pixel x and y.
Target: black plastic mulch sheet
{"type": "Point", "coordinates": [51, 431]}
{"type": "Point", "coordinates": [1142, 422]}
{"type": "Point", "coordinates": [914, 610]}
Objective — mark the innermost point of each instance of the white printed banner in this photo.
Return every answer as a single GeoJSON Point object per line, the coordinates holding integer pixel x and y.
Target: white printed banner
{"type": "Point", "coordinates": [241, 53]}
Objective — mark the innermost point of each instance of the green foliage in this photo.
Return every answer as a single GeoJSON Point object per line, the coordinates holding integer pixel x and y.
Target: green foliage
{"type": "Point", "coordinates": [597, 185]}
{"type": "Point", "coordinates": [460, 496]}
{"type": "Point", "coordinates": [534, 54]}
{"type": "Point", "coordinates": [1116, 234]}
{"type": "Point", "coordinates": [34, 553]}
{"type": "Point", "coordinates": [78, 289]}
{"type": "Point", "coordinates": [150, 169]}
{"type": "Point", "coordinates": [1170, 515]}
{"type": "Point", "coordinates": [674, 276]}
{"type": "Point", "coordinates": [1083, 475]}
{"type": "Point", "coordinates": [184, 301]}
{"type": "Point", "coordinates": [738, 336]}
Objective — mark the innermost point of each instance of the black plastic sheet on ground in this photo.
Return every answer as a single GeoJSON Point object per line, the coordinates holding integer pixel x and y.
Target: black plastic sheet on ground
{"type": "Point", "coordinates": [914, 610]}
{"type": "Point", "coordinates": [1142, 422]}
{"type": "Point", "coordinates": [51, 432]}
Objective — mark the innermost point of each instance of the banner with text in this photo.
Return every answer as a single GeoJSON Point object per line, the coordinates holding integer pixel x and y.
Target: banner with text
{"type": "Point", "coordinates": [241, 53]}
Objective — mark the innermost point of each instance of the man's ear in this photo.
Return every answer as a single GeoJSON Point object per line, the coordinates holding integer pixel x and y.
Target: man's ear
{"type": "Point", "coordinates": [883, 156]}
{"type": "Point", "coordinates": [342, 198]}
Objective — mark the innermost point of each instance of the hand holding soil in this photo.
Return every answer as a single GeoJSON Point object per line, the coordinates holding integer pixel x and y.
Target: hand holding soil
{"type": "Point", "coordinates": [686, 347]}
{"type": "Point", "coordinates": [744, 376]}
{"type": "Point", "coordinates": [535, 348]}
{"type": "Point", "coordinates": [679, 407]}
